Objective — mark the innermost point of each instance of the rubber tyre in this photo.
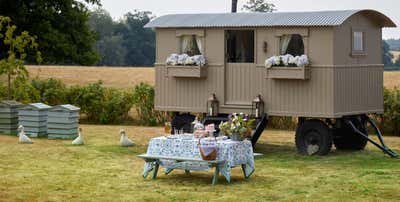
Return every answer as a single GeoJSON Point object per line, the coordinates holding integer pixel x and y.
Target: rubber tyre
{"type": "Point", "coordinates": [346, 139]}
{"type": "Point", "coordinates": [313, 133]}
{"type": "Point", "coordinates": [182, 121]}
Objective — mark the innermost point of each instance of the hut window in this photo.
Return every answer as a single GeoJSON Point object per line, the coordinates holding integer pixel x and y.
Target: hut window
{"type": "Point", "coordinates": [240, 46]}
{"type": "Point", "coordinates": [291, 44]}
{"type": "Point", "coordinates": [191, 45]}
{"type": "Point", "coordinates": [358, 41]}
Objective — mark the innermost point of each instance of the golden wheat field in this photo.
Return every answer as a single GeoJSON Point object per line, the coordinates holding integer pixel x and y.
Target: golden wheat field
{"type": "Point", "coordinates": [124, 77]}
{"type": "Point", "coordinates": [119, 77]}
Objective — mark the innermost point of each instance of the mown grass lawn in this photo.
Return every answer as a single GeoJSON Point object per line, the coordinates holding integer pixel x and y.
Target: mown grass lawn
{"type": "Point", "coordinates": [53, 170]}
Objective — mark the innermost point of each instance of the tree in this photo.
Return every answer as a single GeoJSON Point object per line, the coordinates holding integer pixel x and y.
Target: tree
{"type": "Point", "coordinates": [61, 26]}
{"type": "Point", "coordinates": [138, 41]}
{"type": "Point", "coordinates": [16, 51]}
{"type": "Point", "coordinates": [259, 6]}
{"type": "Point", "coordinates": [387, 57]}
{"type": "Point", "coordinates": [110, 44]}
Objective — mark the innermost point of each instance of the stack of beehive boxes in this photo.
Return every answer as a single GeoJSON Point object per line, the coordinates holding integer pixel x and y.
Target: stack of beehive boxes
{"type": "Point", "coordinates": [63, 122]}
{"type": "Point", "coordinates": [34, 119]}
{"type": "Point", "coordinates": [9, 116]}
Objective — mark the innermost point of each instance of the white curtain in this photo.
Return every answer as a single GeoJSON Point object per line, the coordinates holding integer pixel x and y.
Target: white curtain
{"type": "Point", "coordinates": [285, 40]}
{"type": "Point", "coordinates": [185, 43]}
{"type": "Point", "coordinates": [199, 41]}
{"type": "Point", "coordinates": [241, 47]}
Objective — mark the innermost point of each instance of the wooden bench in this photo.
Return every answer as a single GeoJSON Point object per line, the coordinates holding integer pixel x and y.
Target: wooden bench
{"type": "Point", "coordinates": [156, 159]}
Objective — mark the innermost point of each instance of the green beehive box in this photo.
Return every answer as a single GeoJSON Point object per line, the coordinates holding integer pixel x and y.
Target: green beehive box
{"type": "Point", "coordinates": [33, 124]}
{"type": "Point", "coordinates": [34, 119]}
{"type": "Point", "coordinates": [9, 116]}
{"type": "Point", "coordinates": [63, 122]}
{"type": "Point", "coordinates": [62, 125]}
{"type": "Point", "coordinates": [10, 121]}
{"type": "Point", "coordinates": [63, 137]}
{"type": "Point", "coordinates": [63, 131]}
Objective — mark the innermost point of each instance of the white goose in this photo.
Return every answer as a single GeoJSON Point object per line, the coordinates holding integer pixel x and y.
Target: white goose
{"type": "Point", "coordinates": [125, 141]}
{"type": "Point", "coordinates": [23, 139]}
{"type": "Point", "coordinates": [79, 140]}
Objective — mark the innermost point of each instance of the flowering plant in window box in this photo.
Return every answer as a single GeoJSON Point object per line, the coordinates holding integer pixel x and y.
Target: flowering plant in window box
{"type": "Point", "coordinates": [186, 60]}
{"type": "Point", "coordinates": [287, 61]}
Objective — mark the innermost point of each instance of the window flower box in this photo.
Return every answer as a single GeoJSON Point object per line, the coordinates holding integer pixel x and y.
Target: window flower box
{"type": "Point", "coordinates": [301, 73]}
{"type": "Point", "coordinates": [187, 71]}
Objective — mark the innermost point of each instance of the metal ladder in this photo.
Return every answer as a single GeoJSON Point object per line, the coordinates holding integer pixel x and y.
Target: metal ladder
{"type": "Point", "coordinates": [382, 146]}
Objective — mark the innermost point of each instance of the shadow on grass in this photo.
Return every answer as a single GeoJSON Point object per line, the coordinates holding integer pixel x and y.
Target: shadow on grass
{"type": "Point", "coordinates": [286, 155]}
{"type": "Point", "coordinates": [197, 178]}
{"type": "Point", "coordinates": [116, 149]}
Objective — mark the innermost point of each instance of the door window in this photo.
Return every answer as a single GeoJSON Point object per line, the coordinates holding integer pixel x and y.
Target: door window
{"type": "Point", "coordinates": [240, 46]}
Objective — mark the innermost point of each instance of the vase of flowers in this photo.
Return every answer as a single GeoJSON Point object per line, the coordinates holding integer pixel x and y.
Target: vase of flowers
{"type": "Point", "coordinates": [238, 127]}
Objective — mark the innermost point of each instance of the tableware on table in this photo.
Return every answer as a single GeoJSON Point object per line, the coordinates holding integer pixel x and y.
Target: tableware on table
{"type": "Point", "coordinates": [167, 127]}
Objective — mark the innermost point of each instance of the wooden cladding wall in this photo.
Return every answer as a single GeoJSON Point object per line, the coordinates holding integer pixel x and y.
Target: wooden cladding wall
{"type": "Point", "coordinates": [186, 94]}
{"type": "Point", "coordinates": [309, 98]}
{"type": "Point", "coordinates": [243, 83]}
{"type": "Point", "coordinates": [358, 89]}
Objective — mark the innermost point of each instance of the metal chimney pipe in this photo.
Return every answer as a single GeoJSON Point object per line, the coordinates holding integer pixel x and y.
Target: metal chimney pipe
{"type": "Point", "coordinates": [234, 6]}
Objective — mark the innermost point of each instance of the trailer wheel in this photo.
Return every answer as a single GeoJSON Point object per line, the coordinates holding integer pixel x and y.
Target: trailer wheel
{"type": "Point", "coordinates": [182, 121]}
{"type": "Point", "coordinates": [313, 137]}
{"type": "Point", "coordinates": [345, 138]}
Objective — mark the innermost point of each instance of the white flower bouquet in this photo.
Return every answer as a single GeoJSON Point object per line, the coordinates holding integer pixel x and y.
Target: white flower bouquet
{"type": "Point", "coordinates": [184, 59]}
{"type": "Point", "coordinates": [238, 124]}
{"type": "Point", "coordinates": [287, 61]}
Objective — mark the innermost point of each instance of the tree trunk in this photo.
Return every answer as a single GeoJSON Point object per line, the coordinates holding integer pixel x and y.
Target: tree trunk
{"type": "Point", "coordinates": [9, 86]}
{"type": "Point", "coordinates": [234, 6]}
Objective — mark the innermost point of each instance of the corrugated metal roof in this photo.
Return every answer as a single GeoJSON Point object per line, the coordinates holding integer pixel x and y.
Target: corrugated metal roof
{"type": "Point", "coordinates": [307, 19]}
{"type": "Point", "coordinates": [38, 106]}
{"type": "Point", "coordinates": [12, 103]}
{"type": "Point", "coordinates": [66, 107]}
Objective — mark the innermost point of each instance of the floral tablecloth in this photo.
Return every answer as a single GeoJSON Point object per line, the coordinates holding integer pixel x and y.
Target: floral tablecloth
{"type": "Point", "coordinates": [235, 153]}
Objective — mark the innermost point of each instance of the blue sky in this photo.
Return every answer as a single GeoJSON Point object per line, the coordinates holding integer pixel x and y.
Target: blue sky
{"type": "Point", "coordinates": [390, 8]}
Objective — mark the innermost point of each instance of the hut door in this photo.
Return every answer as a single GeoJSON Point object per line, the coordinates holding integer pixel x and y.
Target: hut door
{"type": "Point", "coordinates": [239, 53]}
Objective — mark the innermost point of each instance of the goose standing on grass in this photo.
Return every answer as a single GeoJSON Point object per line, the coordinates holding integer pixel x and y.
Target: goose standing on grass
{"type": "Point", "coordinates": [23, 139]}
{"type": "Point", "coordinates": [79, 139]}
{"type": "Point", "coordinates": [125, 141]}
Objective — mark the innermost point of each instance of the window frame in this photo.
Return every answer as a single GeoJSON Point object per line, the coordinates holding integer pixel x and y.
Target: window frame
{"type": "Point", "coordinates": [197, 32]}
{"type": "Point", "coordinates": [254, 45]}
{"type": "Point", "coordinates": [303, 32]}
{"type": "Point", "coordinates": [364, 47]}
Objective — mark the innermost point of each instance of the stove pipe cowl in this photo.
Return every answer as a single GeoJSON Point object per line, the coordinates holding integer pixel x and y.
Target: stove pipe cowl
{"type": "Point", "coordinates": [234, 6]}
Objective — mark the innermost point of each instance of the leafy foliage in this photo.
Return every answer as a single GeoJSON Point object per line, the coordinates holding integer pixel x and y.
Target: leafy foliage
{"type": "Point", "coordinates": [143, 99]}
{"type": "Point", "coordinates": [51, 91]}
{"type": "Point", "coordinates": [16, 46]}
{"type": "Point", "coordinates": [124, 43]}
{"type": "Point", "coordinates": [391, 117]}
{"type": "Point", "coordinates": [64, 34]}
{"type": "Point", "coordinates": [116, 106]}
{"type": "Point", "coordinates": [259, 6]}
{"type": "Point", "coordinates": [387, 57]}
{"type": "Point", "coordinates": [394, 44]}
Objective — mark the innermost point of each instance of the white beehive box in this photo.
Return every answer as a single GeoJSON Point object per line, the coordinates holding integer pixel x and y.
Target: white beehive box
{"type": "Point", "coordinates": [63, 122]}
{"type": "Point", "coordinates": [34, 119]}
{"type": "Point", "coordinates": [9, 116]}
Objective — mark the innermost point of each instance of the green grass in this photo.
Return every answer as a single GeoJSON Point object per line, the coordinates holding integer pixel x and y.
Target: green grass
{"type": "Point", "coordinates": [53, 170]}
